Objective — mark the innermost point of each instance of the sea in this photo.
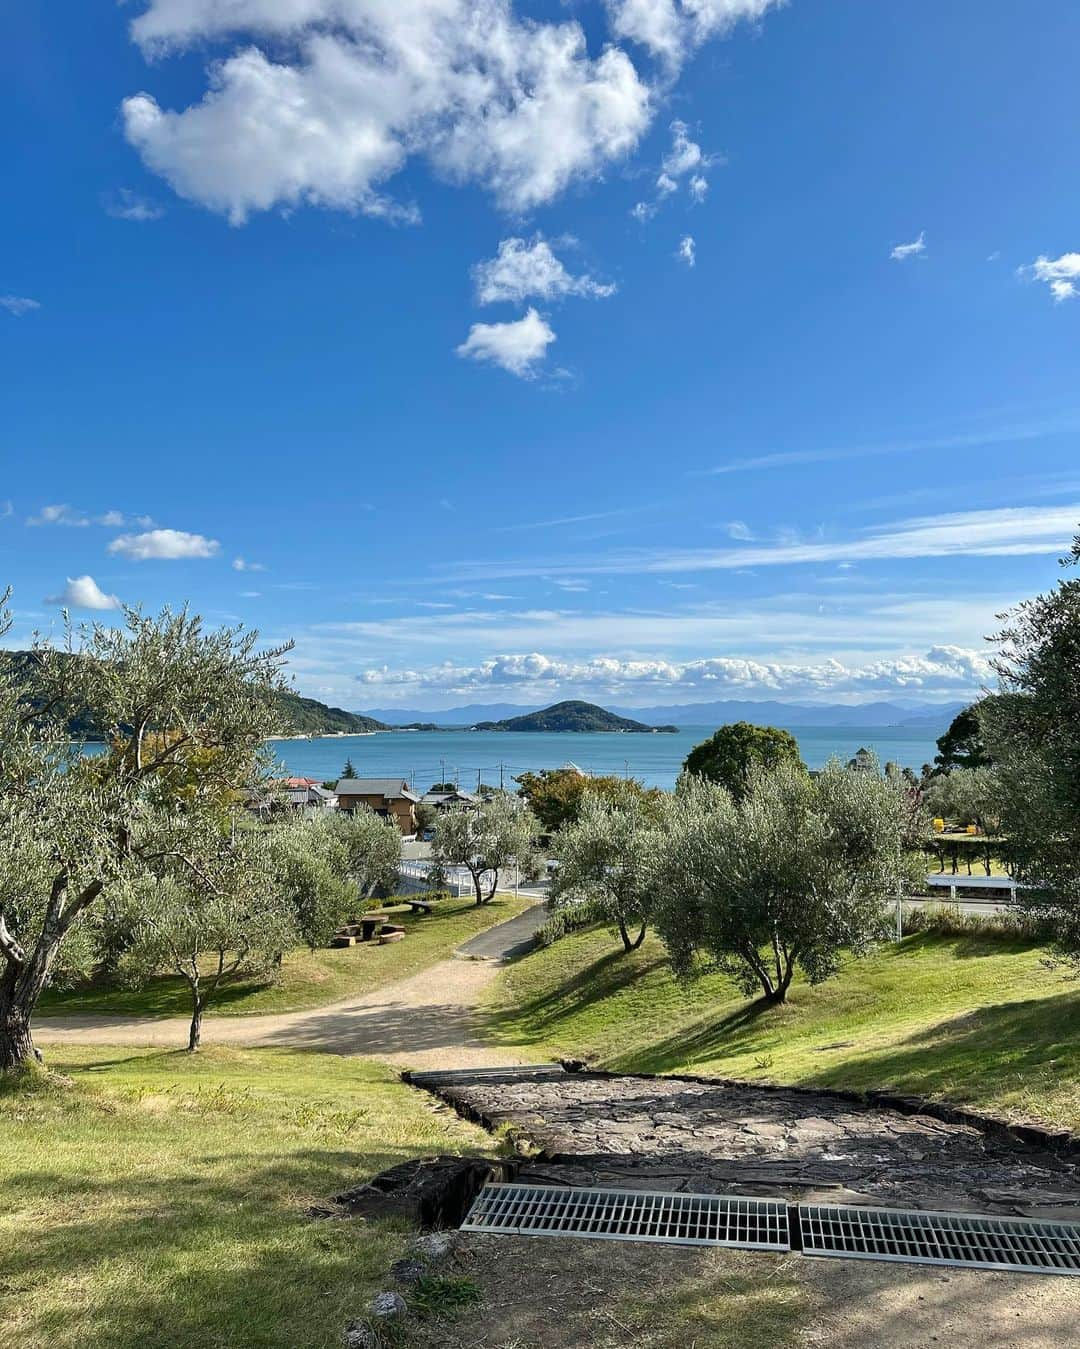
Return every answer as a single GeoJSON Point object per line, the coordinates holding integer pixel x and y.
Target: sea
{"type": "Point", "coordinates": [497, 757]}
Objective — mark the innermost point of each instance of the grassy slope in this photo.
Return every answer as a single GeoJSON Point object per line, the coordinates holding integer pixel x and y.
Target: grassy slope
{"type": "Point", "coordinates": [970, 1019]}
{"type": "Point", "coordinates": [308, 979]}
{"type": "Point", "coordinates": [160, 1199]}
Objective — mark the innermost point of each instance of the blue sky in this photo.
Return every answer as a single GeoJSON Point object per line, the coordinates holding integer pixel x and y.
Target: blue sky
{"type": "Point", "coordinates": [648, 352]}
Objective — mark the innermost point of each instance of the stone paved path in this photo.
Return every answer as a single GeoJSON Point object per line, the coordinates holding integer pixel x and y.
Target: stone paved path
{"type": "Point", "coordinates": [673, 1134]}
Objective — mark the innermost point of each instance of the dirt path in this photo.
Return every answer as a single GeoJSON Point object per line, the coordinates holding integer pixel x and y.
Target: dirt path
{"type": "Point", "coordinates": [425, 1021]}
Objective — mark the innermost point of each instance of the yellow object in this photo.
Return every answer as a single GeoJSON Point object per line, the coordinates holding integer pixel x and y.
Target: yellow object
{"type": "Point", "coordinates": [973, 828]}
{"type": "Point", "coordinates": [939, 826]}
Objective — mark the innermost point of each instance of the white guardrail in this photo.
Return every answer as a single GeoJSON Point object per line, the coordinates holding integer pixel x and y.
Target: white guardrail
{"type": "Point", "coordinates": [458, 878]}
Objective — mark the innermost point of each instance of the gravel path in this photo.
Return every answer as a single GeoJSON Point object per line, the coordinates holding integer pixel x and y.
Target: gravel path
{"type": "Point", "coordinates": [425, 1021]}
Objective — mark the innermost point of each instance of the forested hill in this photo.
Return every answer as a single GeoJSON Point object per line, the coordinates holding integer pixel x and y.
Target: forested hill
{"type": "Point", "coordinates": [569, 716]}
{"type": "Point", "coordinates": [299, 716]}
{"type": "Point", "coordinates": [307, 716]}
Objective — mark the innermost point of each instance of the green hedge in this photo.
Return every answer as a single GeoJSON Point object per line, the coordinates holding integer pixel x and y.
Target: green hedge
{"type": "Point", "coordinates": [571, 919]}
{"type": "Point", "coordinates": [948, 920]}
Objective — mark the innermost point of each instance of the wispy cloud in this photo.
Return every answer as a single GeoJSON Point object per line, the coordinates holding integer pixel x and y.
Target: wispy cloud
{"type": "Point", "coordinates": [18, 304]}
{"type": "Point", "coordinates": [1004, 532]}
{"type": "Point", "coordinates": [242, 564]}
{"type": "Point", "coordinates": [70, 517]}
{"type": "Point", "coordinates": [687, 250]}
{"type": "Point", "coordinates": [558, 520]}
{"type": "Point", "coordinates": [902, 252]}
{"type": "Point", "coordinates": [124, 204]}
{"type": "Point", "coordinates": [999, 435]}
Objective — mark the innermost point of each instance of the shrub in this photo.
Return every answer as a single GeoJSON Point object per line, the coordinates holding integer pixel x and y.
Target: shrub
{"type": "Point", "coordinates": [585, 913]}
{"type": "Point", "coordinates": [949, 920]}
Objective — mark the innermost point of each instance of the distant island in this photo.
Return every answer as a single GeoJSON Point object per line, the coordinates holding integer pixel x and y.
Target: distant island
{"type": "Point", "coordinates": [570, 716]}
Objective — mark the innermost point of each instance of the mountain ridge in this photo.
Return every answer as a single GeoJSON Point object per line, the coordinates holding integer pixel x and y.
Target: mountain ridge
{"type": "Point", "coordinates": [769, 712]}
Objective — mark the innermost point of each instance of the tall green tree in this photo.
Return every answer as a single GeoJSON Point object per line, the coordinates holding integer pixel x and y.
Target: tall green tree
{"type": "Point", "coordinates": [606, 857]}
{"type": "Point", "coordinates": [184, 711]}
{"type": "Point", "coordinates": [348, 771]}
{"type": "Point", "coordinates": [786, 876]}
{"type": "Point", "coordinates": [1033, 733]}
{"type": "Point", "coordinates": [964, 744]}
{"type": "Point", "coordinates": [556, 795]}
{"type": "Point", "coordinates": [734, 752]}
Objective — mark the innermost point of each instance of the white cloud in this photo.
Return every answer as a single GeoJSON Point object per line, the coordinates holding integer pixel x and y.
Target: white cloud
{"type": "Point", "coordinates": [359, 86]}
{"type": "Point", "coordinates": [7, 509]}
{"type": "Point", "coordinates": [524, 268]}
{"type": "Point", "coordinates": [18, 304]}
{"type": "Point", "coordinates": [518, 347]}
{"type": "Point", "coordinates": [83, 592]}
{"type": "Point", "coordinates": [642, 211]}
{"type": "Point", "coordinates": [671, 29]}
{"type": "Point", "coordinates": [164, 543]}
{"type": "Point", "coordinates": [242, 564]}
{"type": "Point", "coordinates": [904, 251]}
{"type": "Point", "coordinates": [687, 250]}
{"type": "Point", "coordinates": [1060, 274]}
{"type": "Point", "coordinates": [739, 529]}
{"type": "Point", "coordinates": [124, 204]}
{"type": "Point", "coordinates": [666, 185]}
{"type": "Point", "coordinates": [699, 187]}
{"type": "Point", "coordinates": [942, 669]}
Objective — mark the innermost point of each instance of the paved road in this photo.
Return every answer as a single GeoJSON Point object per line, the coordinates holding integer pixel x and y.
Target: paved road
{"type": "Point", "coordinates": [425, 1021]}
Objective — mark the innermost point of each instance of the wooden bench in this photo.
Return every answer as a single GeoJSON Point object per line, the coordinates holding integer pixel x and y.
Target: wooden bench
{"type": "Point", "coordinates": [391, 933]}
{"type": "Point", "coordinates": [421, 906]}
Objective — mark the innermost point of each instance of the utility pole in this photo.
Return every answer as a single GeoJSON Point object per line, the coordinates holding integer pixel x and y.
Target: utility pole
{"type": "Point", "coordinates": [478, 782]}
{"type": "Point", "coordinates": [442, 770]}
{"type": "Point", "coordinates": [501, 768]}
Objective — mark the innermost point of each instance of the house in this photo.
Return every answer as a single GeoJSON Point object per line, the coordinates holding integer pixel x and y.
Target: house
{"type": "Point", "coordinates": [443, 800]}
{"type": "Point", "coordinates": [308, 794]}
{"type": "Point", "coordinates": [391, 798]}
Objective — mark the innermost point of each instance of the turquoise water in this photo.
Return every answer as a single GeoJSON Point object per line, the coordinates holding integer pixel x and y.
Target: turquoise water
{"type": "Point", "coordinates": [424, 757]}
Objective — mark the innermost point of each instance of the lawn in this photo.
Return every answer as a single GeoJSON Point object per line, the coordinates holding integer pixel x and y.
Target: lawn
{"type": "Point", "coordinates": [159, 1198]}
{"type": "Point", "coordinates": [973, 1019]}
{"type": "Point", "coordinates": [308, 978]}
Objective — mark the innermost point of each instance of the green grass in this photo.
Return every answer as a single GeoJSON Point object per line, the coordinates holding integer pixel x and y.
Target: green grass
{"type": "Point", "coordinates": [973, 1019]}
{"type": "Point", "coordinates": [159, 1198]}
{"type": "Point", "coordinates": [308, 978]}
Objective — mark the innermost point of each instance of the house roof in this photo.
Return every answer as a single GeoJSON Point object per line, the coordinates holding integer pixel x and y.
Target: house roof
{"type": "Point", "coordinates": [388, 788]}
{"type": "Point", "coordinates": [439, 798]}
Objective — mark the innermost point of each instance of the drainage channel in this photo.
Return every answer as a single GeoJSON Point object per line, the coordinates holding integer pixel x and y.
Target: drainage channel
{"type": "Point", "coordinates": [826, 1230]}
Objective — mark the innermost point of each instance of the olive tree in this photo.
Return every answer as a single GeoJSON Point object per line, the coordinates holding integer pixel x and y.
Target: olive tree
{"type": "Point", "coordinates": [211, 916]}
{"type": "Point", "coordinates": [606, 857]}
{"type": "Point", "coordinates": [327, 865]}
{"type": "Point", "coordinates": [183, 713]}
{"type": "Point", "coordinates": [786, 877]}
{"type": "Point", "coordinates": [486, 839]}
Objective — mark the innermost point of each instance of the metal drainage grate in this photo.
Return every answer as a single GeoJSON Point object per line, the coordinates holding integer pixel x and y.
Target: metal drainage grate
{"type": "Point", "coordinates": [940, 1239]}
{"type": "Point", "coordinates": [631, 1215]}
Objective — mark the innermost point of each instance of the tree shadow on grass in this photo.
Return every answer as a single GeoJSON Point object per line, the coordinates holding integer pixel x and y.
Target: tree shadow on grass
{"type": "Point", "coordinates": [183, 1260]}
{"type": "Point", "coordinates": [533, 1018]}
{"type": "Point", "coordinates": [1008, 1048]}
{"type": "Point", "coordinates": [1027, 1046]}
